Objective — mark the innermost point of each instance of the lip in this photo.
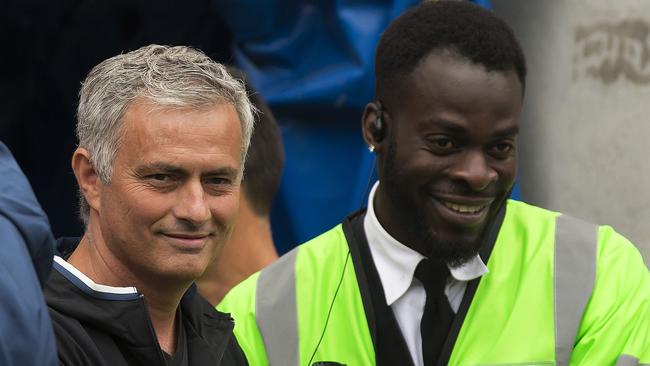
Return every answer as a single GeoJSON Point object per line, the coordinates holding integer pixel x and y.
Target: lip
{"type": "Point", "coordinates": [463, 211]}
{"type": "Point", "coordinates": [187, 241]}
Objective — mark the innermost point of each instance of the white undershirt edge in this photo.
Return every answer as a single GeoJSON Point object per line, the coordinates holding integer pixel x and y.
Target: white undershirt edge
{"type": "Point", "coordinates": [90, 283]}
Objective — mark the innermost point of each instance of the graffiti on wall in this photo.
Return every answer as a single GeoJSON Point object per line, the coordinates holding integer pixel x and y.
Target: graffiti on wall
{"type": "Point", "coordinates": [609, 51]}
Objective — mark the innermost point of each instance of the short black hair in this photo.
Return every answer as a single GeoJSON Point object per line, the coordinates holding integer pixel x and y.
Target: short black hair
{"type": "Point", "coordinates": [460, 27]}
{"type": "Point", "coordinates": [265, 159]}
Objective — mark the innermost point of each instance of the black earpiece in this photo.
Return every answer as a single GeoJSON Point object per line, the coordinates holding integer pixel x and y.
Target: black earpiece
{"type": "Point", "coordinates": [378, 124]}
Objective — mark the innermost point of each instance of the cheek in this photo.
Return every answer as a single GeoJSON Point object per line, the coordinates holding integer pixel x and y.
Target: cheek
{"type": "Point", "coordinates": [224, 208]}
{"type": "Point", "coordinates": [425, 167]}
{"type": "Point", "coordinates": [508, 172]}
{"type": "Point", "coordinates": [145, 206]}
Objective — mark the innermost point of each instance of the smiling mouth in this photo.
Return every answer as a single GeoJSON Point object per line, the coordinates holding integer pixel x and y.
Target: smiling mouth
{"type": "Point", "coordinates": [186, 236]}
{"type": "Point", "coordinates": [464, 209]}
{"type": "Point", "coordinates": [187, 242]}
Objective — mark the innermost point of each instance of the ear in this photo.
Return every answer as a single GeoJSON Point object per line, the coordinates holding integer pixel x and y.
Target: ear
{"type": "Point", "coordinates": [371, 135]}
{"type": "Point", "coordinates": [87, 178]}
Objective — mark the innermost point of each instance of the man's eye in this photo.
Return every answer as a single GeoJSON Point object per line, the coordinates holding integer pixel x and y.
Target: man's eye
{"type": "Point", "coordinates": [159, 177]}
{"type": "Point", "coordinates": [217, 181]}
{"type": "Point", "coordinates": [442, 145]}
{"type": "Point", "coordinates": [160, 180]}
{"type": "Point", "coordinates": [502, 149]}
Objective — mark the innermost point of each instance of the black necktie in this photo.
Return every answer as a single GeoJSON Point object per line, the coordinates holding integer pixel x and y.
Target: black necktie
{"type": "Point", "coordinates": [438, 315]}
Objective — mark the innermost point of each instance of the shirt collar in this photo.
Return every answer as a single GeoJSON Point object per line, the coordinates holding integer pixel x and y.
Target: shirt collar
{"type": "Point", "coordinates": [396, 263]}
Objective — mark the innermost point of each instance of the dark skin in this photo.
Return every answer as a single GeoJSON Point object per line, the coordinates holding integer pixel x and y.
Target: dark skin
{"type": "Point", "coordinates": [447, 159]}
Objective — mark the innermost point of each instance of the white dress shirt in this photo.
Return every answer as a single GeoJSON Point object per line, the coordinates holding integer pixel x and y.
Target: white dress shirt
{"type": "Point", "coordinates": [396, 263]}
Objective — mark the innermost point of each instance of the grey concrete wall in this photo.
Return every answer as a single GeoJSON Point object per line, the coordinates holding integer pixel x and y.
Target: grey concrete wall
{"type": "Point", "coordinates": [585, 142]}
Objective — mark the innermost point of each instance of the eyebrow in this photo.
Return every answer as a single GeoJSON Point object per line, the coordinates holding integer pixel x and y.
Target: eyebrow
{"type": "Point", "coordinates": [457, 129]}
{"type": "Point", "coordinates": [506, 132]}
{"type": "Point", "coordinates": [173, 169]}
{"type": "Point", "coordinates": [447, 125]}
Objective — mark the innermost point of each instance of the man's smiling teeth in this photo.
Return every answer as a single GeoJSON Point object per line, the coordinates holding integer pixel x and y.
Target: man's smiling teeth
{"type": "Point", "coordinates": [463, 208]}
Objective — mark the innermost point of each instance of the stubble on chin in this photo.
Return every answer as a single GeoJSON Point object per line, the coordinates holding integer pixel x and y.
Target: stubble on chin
{"type": "Point", "coordinates": [453, 252]}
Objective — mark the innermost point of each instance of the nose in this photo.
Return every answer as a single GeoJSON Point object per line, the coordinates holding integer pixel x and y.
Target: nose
{"type": "Point", "coordinates": [192, 206]}
{"type": "Point", "coordinates": [474, 169]}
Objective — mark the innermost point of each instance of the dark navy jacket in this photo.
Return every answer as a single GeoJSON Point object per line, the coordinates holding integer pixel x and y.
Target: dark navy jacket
{"type": "Point", "coordinates": [110, 326]}
{"type": "Point", "coordinates": [26, 251]}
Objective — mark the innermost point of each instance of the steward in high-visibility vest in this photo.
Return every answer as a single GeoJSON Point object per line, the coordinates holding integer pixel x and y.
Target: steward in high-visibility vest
{"type": "Point", "coordinates": [441, 268]}
{"type": "Point", "coordinates": [558, 289]}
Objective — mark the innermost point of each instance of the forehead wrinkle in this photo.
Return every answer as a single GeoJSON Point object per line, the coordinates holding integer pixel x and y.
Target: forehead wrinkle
{"type": "Point", "coordinates": [183, 115]}
{"type": "Point", "coordinates": [201, 138]}
{"type": "Point", "coordinates": [168, 137]}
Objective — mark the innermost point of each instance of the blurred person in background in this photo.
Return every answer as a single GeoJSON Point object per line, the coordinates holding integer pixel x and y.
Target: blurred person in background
{"type": "Point", "coordinates": [250, 247]}
{"type": "Point", "coordinates": [27, 244]}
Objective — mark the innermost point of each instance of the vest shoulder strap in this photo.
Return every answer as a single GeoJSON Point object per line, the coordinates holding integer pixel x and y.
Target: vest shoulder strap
{"type": "Point", "coordinates": [576, 244]}
{"type": "Point", "coordinates": [277, 315]}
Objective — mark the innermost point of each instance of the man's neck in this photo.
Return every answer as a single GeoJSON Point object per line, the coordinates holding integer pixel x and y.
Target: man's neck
{"type": "Point", "coordinates": [94, 259]}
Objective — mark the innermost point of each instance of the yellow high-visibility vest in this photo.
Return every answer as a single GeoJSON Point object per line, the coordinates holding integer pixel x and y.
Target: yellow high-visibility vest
{"type": "Point", "coordinates": [559, 291]}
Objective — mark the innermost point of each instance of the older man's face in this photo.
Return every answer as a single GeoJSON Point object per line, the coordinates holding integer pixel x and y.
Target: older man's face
{"type": "Point", "coordinates": [174, 192]}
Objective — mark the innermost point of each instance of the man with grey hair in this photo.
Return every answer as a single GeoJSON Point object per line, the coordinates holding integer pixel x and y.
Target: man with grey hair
{"type": "Point", "coordinates": [163, 134]}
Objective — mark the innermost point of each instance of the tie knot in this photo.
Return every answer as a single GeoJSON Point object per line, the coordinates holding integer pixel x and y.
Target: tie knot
{"type": "Point", "coordinates": [433, 275]}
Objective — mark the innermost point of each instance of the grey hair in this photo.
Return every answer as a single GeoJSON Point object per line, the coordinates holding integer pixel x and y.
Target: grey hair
{"type": "Point", "coordinates": [174, 77]}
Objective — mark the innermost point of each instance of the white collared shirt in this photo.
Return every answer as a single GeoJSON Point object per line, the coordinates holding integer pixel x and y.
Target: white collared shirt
{"type": "Point", "coordinates": [396, 263]}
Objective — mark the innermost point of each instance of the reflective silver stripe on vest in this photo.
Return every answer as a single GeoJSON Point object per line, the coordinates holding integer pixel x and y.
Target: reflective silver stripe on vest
{"type": "Point", "coordinates": [576, 242]}
{"type": "Point", "coordinates": [276, 313]}
{"type": "Point", "coordinates": [627, 360]}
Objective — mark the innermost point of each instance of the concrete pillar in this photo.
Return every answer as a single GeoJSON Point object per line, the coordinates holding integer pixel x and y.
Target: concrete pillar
{"type": "Point", "coordinates": [585, 141]}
